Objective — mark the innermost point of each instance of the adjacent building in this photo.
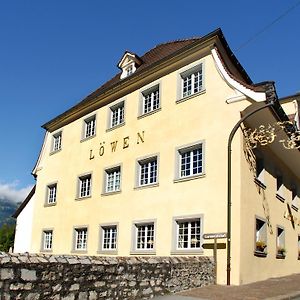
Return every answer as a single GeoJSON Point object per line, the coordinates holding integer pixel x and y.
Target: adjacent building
{"type": "Point", "coordinates": [139, 167]}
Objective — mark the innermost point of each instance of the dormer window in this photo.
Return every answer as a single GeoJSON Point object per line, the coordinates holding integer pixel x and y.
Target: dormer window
{"type": "Point", "coordinates": [129, 64]}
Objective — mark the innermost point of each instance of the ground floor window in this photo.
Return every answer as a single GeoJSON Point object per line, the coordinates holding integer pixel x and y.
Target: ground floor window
{"type": "Point", "coordinates": [81, 239]}
{"type": "Point", "coordinates": [260, 236]}
{"type": "Point", "coordinates": [47, 240]}
{"type": "Point", "coordinates": [144, 237]}
{"type": "Point", "coordinates": [109, 237]}
{"type": "Point", "coordinates": [280, 243]}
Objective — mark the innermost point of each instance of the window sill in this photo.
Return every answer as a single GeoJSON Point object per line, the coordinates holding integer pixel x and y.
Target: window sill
{"type": "Point", "coordinates": [115, 127]}
{"type": "Point", "coordinates": [280, 198]}
{"type": "Point", "coordinates": [187, 251]}
{"type": "Point", "coordinates": [79, 251]}
{"type": "Point", "coordinates": [50, 204]}
{"type": "Point", "coordinates": [55, 151]}
{"type": "Point", "coordinates": [280, 256]}
{"type": "Point", "coordinates": [46, 251]}
{"type": "Point", "coordinates": [260, 253]}
{"type": "Point", "coordinates": [188, 178]}
{"type": "Point", "coordinates": [259, 183]}
{"type": "Point", "coordinates": [82, 198]}
{"type": "Point", "coordinates": [87, 138]}
{"type": "Point", "coordinates": [143, 252]}
{"type": "Point", "coordinates": [152, 185]}
{"type": "Point", "coordinates": [108, 252]}
{"type": "Point", "coordinates": [149, 113]}
{"type": "Point", "coordinates": [294, 207]}
{"type": "Point", "coordinates": [111, 193]}
{"type": "Point", "coordinates": [190, 96]}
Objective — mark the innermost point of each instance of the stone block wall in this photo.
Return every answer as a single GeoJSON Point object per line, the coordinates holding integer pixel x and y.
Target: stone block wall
{"type": "Point", "coordinates": [35, 277]}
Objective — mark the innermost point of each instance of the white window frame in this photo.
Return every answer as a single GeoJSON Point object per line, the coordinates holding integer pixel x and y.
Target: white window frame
{"type": "Point", "coordinates": [112, 230]}
{"type": "Point", "coordinates": [51, 195]}
{"type": "Point", "coordinates": [191, 70]}
{"type": "Point", "coordinates": [114, 172]}
{"type": "Point", "coordinates": [150, 92]}
{"type": "Point", "coordinates": [89, 127]}
{"type": "Point", "coordinates": [56, 142]}
{"type": "Point", "coordinates": [295, 199]}
{"type": "Point", "coordinates": [260, 237]}
{"type": "Point", "coordinates": [80, 233]}
{"type": "Point", "coordinates": [280, 242]}
{"type": "Point", "coordinates": [82, 181]}
{"type": "Point", "coordinates": [175, 241]}
{"type": "Point", "coordinates": [145, 164]}
{"type": "Point", "coordinates": [279, 187]}
{"type": "Point", "coordinates": [150, 244]}
{"type": "Point", "coordinates": [260, 171]}
{"type": "Point", "coordinates": [47, 240]}
{"type": "Point", "coordinates": [180, 152]}
{"type": "Point", "coordinates": [119, 109]}
{"type": "Point", "coordinates": [298, 247]}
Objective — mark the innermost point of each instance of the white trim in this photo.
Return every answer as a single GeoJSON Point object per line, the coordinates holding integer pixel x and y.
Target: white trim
{"type": "Point", "coordinates": [256, 96]}
{"type": "Point", "coordinates": [36, 167]}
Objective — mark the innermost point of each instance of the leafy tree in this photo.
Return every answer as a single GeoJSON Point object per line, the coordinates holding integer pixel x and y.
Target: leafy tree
{"type": "Point", "coordinates": [7, 234]}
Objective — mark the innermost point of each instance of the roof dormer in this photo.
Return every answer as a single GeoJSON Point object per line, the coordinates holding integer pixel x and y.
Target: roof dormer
{"type": "Point", "coordinates": [129, 64]}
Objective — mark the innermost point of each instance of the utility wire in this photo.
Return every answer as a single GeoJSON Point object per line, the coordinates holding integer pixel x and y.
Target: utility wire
{"type": "Point", "coordinates": [268, 26]}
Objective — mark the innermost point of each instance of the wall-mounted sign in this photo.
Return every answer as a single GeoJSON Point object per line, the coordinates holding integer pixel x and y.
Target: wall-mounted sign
{"type": "Point", "coordinates": [115, 145]}
{"type": "Point", "coordinates": [218, 235]}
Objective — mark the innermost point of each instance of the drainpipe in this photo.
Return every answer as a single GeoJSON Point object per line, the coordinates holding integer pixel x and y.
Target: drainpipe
{"type": "Point", "coordinates": [232, 133]}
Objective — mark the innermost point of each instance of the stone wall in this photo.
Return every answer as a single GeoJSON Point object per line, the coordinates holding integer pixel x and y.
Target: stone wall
{"type": "Point", "coordinates": [35, 277]}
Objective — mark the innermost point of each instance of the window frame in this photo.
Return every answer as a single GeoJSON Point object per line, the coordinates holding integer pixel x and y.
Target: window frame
{"type": "Point", "coordinates": [43, 240]}
{"type": "Point", "coordinates": [186, 71]}
{"type": "Point", "coordinates": [84, 135]}
{"type": "Point", "coordinates": [105, 179]}
{"type": "Point", "coordinates": [54, 148]}
{"type": "Point", "coordinates": [279, 187]}
{"type": "Point", "coordinates": [182, 219]}
{"type": "Point", "coordinates": [178, 163]}
{"type": "Point", "coordinates": [118, 104]}
{"type": "Point", "coordinates": [149, 89]}
{"type": "Point", "coordinates": [146, 160]}
{"type": "Point", "coordinates": [280, 242]}
{"type": "Point", "coordinates": [102, 227]}
{"type": "Point", "coordinates": [261, 237]}
{"type": "Point", "coordinates": [260, 170]}
{"type": "Point", "coordinates": [79, 186]}
{"type": "Point", "coordinates": [48, 192]}
{"type": "Point", "coordinates": [295, 198]}
{"type": "Point", "coordinates": [134, 239]}
{"type": "Point", "coordinates": [76, 229]}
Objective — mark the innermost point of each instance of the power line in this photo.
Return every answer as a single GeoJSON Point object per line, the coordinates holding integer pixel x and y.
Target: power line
{"type": "Point", "coordinates": [268, 26]}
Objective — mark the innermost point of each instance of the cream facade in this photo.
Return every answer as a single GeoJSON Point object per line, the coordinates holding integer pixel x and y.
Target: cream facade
{"type": "Point", "coordinates": [140, 166]}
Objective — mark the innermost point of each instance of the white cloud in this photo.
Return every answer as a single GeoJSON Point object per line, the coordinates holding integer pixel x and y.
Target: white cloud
{"type": "Point", "coordinates": [12, 192]}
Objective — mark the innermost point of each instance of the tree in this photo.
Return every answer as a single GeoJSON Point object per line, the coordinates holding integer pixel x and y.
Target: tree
{"type": "Point", "coordinates": [7, 234]}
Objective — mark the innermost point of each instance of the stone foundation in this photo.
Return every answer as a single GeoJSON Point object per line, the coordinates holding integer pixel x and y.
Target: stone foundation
{"type": "Point", "coordinates": [35, 277]}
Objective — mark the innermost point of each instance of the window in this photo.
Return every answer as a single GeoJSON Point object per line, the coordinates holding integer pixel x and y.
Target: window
{"type": "Point", "coordinates": [89, 127]}
{"type": "Point", "coordinates": [51, 193]}
{"type": "Point", "coordinates": [129, 70]}
{"type": "Point", "coordinates": [190, 161]}
{"type": "Point", "coordinates": [294, 198]}
{"type": "Point", "coordinates": [56, 144]}
{"type": "Point", "coordinates": [192, 81]}
{"type": "Point", "coordinates": [109, 237]}
{"type": "Point", "coordinates": [144, 237]}
{"type": "Point", "coordinates": [299, 247]}
{"type": "Point", "coordinates": [117, 114]}
{"type": "Point", "coordinates": [260, 169]}
{"type": "Point", "coordinates": [85, 184]}
{"type": "Point", "coordinates": [150, 100]}
{"type": "Point", "coordinates": [260, 237]}
{"type": "Point", "coordinates": [280, 243]}
{"type": "Point", "coordinates": [279, 188]}
{"type": "Point", "coordinates": [147, 171]}
{"type": "Point", "coordinates": [47, 240]}
{"type": "Point", "coordinates": [80, 239]}
{"type": "Point", "coordinates": [113, 180]}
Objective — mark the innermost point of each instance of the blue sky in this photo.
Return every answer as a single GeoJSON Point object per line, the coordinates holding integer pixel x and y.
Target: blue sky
{"type": "Point", "coordinates": [54, 53]}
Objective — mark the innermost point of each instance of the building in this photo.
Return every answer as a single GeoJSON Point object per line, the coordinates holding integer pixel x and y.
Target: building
{"type": "Point", "coordinates": [139, 167]}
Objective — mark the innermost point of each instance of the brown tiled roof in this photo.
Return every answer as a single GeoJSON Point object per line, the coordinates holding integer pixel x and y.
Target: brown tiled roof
{"type": "Point", "coordinates": [157, 53]}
